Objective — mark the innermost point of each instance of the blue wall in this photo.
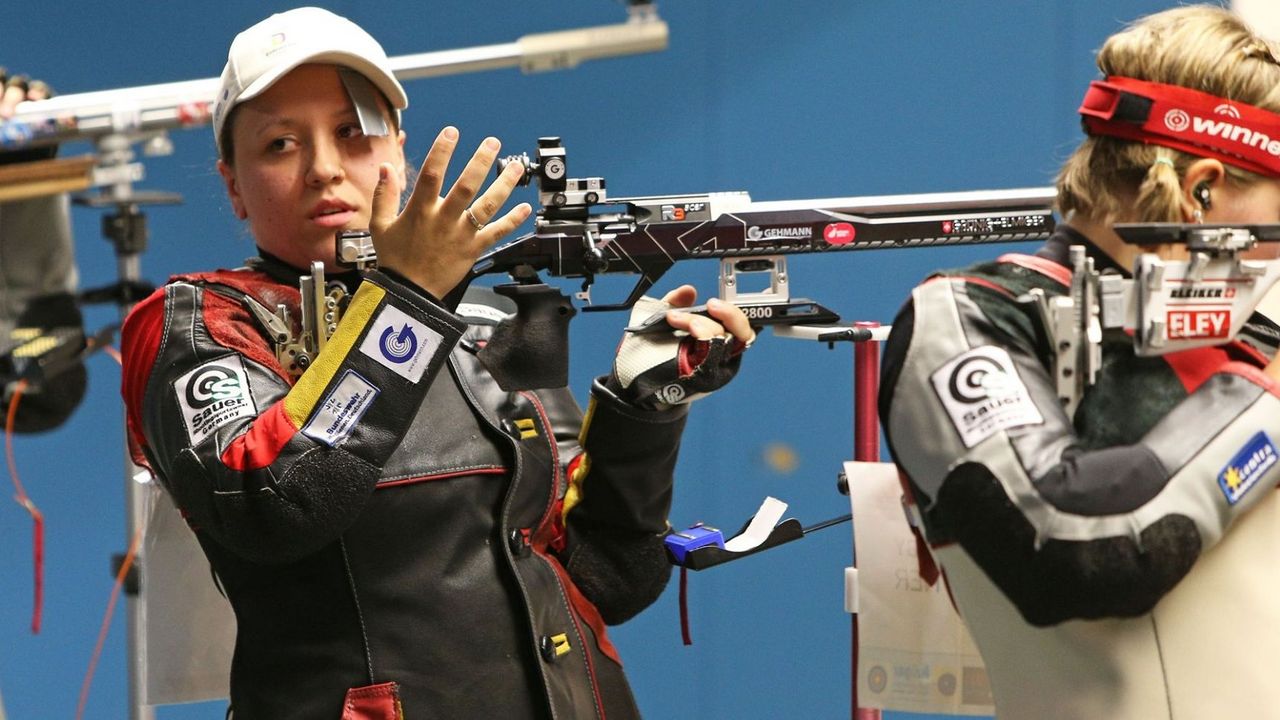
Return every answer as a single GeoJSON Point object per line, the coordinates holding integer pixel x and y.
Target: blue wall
{"type": "Point", "coordinates": [787, 100]}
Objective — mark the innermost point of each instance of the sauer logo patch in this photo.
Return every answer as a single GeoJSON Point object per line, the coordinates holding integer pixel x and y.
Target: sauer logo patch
{"type": "Point", "coordinates": [983, 394]}
{"type": "Point", "coordinates": [1247, 467]}
{"type": "Point", "coordinates": [213, 395]}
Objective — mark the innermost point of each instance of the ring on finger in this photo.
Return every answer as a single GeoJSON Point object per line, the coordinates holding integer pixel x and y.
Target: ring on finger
{"type": "Point", "coordinates": [474, 222]}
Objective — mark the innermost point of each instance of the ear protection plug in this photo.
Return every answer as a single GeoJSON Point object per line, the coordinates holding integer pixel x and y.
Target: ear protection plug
{"type": "Point", "coordinates": [1201, 193]}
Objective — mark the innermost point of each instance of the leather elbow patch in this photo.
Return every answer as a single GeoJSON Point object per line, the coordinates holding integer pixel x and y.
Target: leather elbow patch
{"type": "Point", "coordinates": [620, 576]}
{"type": "Point", "coordinates": [1061, 580]}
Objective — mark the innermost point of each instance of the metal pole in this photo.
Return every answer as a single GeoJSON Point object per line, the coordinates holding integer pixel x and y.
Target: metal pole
{"type": "Point", "coordinates": [135, 607]}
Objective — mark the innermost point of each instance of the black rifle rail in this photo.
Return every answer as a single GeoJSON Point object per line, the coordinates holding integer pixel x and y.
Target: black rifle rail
{"type": "Point", "coordinates": [624, 242]}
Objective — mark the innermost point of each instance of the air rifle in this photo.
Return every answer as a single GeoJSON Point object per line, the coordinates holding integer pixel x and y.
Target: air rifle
{"type": "Point", "coordinates": [147, 109]}
{"type": "Point", "coordinates": [646, 236]}
{"type": "Point", "coordinates": [1167, 306]}
{"type": "Point", "coordinates": [115, 120]}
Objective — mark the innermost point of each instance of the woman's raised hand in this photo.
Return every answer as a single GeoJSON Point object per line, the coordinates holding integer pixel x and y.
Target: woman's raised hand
{"type": "Point", "coordinates": [436, 239]}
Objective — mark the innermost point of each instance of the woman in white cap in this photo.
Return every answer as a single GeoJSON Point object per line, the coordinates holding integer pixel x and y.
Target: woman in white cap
{"type": "Point", "coordinates": [398, 535]}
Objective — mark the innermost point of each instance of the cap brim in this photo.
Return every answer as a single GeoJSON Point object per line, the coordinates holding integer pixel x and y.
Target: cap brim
{"type": "Point", "coordinates": [380, 78]}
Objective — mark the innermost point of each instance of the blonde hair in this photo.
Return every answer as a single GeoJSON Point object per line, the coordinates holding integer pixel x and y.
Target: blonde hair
{"type": "Point", "coordinates": [1201, 47]}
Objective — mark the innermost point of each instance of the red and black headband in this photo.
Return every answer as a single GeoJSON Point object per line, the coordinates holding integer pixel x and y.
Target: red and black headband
{"type": "Point", "coordinates": [1184, 119]}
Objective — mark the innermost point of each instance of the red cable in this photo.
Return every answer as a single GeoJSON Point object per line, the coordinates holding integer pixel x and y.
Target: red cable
{"type": "Point", "coordinates": [106, 620]}
{"type": "Point", "coordinates": [121, 574]}
{"type": "Point", "coordinates": [25, 501]}
{"type": "Point", "coordinates": [684, 606]}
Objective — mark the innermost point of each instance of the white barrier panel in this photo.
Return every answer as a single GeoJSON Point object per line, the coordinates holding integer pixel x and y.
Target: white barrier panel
{"type": "Point", "coordinates": [189, 627]}
{"type": "Point", "coordinates": [914, 653]}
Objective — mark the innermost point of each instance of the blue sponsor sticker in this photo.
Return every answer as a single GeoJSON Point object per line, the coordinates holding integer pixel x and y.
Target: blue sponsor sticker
{"type": "Point", "coordinates": [1247, 467]}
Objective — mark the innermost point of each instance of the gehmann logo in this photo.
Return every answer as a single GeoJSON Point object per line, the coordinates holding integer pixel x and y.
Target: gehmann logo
{"type": "Point", "coordinates": [1180, 121]}
{"type": "Point", "coordinates": [755, 232]}
{"type": "Point", "coordinates": [1247, 467]}
{"type": "Point", "coordinates": [1198, 324]}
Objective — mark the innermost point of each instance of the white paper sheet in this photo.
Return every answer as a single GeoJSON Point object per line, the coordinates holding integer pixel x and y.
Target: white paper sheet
{"type": "Point", "coordinates": [766, 518]}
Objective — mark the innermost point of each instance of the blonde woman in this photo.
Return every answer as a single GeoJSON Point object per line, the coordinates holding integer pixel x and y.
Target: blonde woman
{"type": "Point", "coordinates": [1104, 570]}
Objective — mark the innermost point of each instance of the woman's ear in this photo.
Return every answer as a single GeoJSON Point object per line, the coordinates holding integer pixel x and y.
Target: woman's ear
{"type": "Point", "coordinates": [1202, 178]}
{"type": "Point", "coordinates": [233, 190]}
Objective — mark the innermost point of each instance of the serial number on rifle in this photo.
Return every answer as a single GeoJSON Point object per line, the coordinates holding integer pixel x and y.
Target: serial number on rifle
{"type": "Point", "coordinates": [994, 224]}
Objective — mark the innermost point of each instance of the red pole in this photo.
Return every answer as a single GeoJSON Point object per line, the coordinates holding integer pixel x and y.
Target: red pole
{"type": "Point", "coordinates": [866, 448]}
{"type": "Point", "coordinates": [866, 383]}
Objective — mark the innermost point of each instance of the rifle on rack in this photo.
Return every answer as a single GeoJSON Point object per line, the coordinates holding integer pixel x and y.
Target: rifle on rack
{"type": "Point", "coordinates": [115, 120]}
{"type": "Point", "coordinates": [1167, 306]}
{"type": "Point", "coordinates": [646, 236]}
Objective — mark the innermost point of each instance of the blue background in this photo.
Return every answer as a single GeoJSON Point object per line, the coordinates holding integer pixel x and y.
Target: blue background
{"type": "Point", "coordinates": [787, 100]}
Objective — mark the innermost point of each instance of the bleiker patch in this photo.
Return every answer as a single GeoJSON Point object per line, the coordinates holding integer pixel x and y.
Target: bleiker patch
{"type": "Point", "coordinates": [400, 343]}
{"type": "Point", "coordinates": [213, 395]}
{"type": "Point", "coordinates": [983, 394]}
{"type": "Point", "coordinates": [341, 409]}
{"type": "Point", "coordinates": [1247, 467]}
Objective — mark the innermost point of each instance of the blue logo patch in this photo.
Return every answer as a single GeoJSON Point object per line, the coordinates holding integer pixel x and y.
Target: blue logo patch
{"type": "Point", "coordinates": [1247, 467]}
{"type": "Point", "coordinates": [398, 346]}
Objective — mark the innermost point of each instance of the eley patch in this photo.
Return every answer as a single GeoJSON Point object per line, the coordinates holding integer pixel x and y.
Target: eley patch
{"type": "Point", "coordinates": [213, 395]}
{"type": "Point", "coordinates": [1247, 467]}
{"type": "Point", "coordinates": [983, 394]}
{"type": "Point", "coordinates": [401, 344]}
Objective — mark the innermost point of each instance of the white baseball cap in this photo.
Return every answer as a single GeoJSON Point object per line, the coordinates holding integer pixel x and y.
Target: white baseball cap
{"type": "Point", "coordinates": [267, 51]}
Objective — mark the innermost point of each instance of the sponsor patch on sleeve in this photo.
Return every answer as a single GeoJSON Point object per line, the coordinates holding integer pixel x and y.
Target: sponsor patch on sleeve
{"type": "Point", "coordinates": [1247, 467]}
{"type": "Point", "coordinates": [213, 395]}
{"type": "Point", "coordinates": [983, 394]}
{"type": "Point", "coordinates": [341, 410]}
{"type": "Point", "coordinates": [400, 343]}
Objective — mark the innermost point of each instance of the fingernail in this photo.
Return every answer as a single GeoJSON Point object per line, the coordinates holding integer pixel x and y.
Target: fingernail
{"type": "Point", "coordinates": [450, 133]}
{"type": "Point", "coordinates": [492, 143]}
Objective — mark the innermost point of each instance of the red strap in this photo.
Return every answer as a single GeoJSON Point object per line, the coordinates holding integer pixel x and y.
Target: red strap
{"type": "Point", "coordinates": [684, 606]}
{"type": "Point", "coordinates": [925, 563]}
{"type": "Point", "coordinates": [1044, 266]}
{"type": "Point", "coordinates": [373, 702]}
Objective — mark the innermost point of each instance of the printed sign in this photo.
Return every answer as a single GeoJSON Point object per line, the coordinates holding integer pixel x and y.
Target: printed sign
{"type": "Point", "coordinates": [213, 395]}
{"type": "Point", "coordinates": [401, 344]}
{"type": "Point", "coordinates": [1247, 467]}
{"type": "Point", "coordinates": [341, 410]}
{"type": "Point", "coordinates": [1198, 324]}
{"type": "Point", "coordinates": [983, 394]}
